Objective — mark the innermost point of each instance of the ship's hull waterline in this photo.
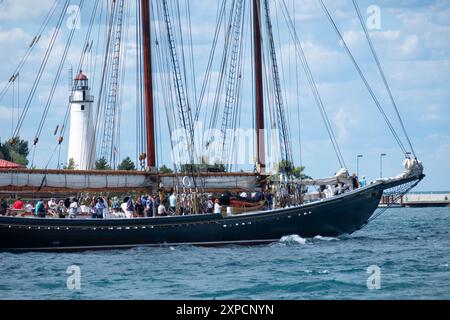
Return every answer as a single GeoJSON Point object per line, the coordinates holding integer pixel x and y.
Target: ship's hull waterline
{"type": "Point", "coordinates": [332, 217]}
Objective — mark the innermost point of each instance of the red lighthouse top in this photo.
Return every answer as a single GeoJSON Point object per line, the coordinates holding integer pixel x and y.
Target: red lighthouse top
{"type": "Point", "coordinates": [81, 76]}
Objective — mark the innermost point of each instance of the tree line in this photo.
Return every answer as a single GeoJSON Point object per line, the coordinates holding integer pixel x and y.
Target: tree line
{"type": "Point", "coordinates": [16, 150]}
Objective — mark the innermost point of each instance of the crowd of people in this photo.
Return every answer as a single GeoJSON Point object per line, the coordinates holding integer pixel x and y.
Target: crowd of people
{"type": "Point", "coordinates": [144, 206]}
{"type": "Point", "coordinates": [160, 205]}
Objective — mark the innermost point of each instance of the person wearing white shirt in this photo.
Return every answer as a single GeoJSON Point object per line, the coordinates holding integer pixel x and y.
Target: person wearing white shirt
{"type": "Point", "coordinates": [52, 204]}
{"type": "Point", "coordinates": [217, 207]}
{"type": "Point", "coordinates": [162, 210]}
{"type": "Point", "coordinates": [28, 208]}
{"type": "Point", "coordinates": [74, 209]}
{"type": "Point", "coordinates": [210, 206]}
{"type": "Point", "coordinates": [173, 202]}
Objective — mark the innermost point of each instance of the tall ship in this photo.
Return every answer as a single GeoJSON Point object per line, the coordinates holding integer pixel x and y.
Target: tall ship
{"type": "Point", "coordinates": [258, 207]}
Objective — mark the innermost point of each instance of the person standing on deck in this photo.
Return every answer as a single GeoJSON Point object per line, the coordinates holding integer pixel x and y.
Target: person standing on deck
{"type": "Point", "coordinates": [61, 210]}
{"type": "Point", "coordinates": [29, 208]}
{"type": "Point", "coordinates": [99, 208]}
{"type": "Point", "coordinates": [106, 210]}
{"type": "Point", "coordinates": [18, 205]}
{"type": "Point", "coordinates": [129, 208]}
{"type": "Point", "coordinates": [144, 200]}
{"type": "Point", "coordinates": [52, 204]}
{"type": "Point", "coordinates": [139, 208]}
{"type": "Point", "coordinates": [355, 181]}
{"type": "Point", "coordinates": [155, 201]}
{"type": "Point", "coordinates": [173, 203]}
{"type": "Point", "coordinates": [162, 210]}
{"type": "Point", "coordinates": [115, 206]}
{"type": "Point", "coordinates": [363, 182]}
{"type": "Point", "coordinates": [148, 212]}
{"type": "Point", "coordinates": [74, 208]}
{"type": "Point", "coordinates": [39, 209]}
{"type": "Point", "coordinates": [210, 205]}
{"type": "Point", "coordinates": [3, 207]}
{"type": "Point", "coordinates": [217, 207]}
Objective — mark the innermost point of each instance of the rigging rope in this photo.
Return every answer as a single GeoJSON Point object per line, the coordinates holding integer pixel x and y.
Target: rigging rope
{"type": "Point", "coordinates": [207, 78]}
{"type": "Point", "coordinates": [280, 108]}
{"type": "Point", "coordinates": [184, 109]}
{"type": "Point", "coordinates": [234, 81]}
{"type": "Point", "coordinates": [122, 86]}
{"type": "Point", "coordinates": [164, 79]}
{"type": "Point", "coordinates": [297, 87]}
{"type": "Point", "coordinates": [108, 147]}
{"type": "Point", "coordinates": [285, 107]}
{"type": "Point", "coordinates": [383, 76]}
{"type": "Point", "coordinates": [312, 84]}
{"type": "Point", "coordinates": [103, 79]}
{"type": "Point", "coordinates": [222, 73]}
{"type": "Point", "coordinates": [63, 126]}
{"type": "Point", "coordinates": [191, 46]}
{"type": "Point", "coordinates": [41, 71]}
{"type": "Point", "coordinates": [87, 45]}
{"type": "Point", "coordinates": [361, 74]}
{"type": "Point", "coordinates": [32, 45]}
{"type": "Point", "coordinates": [238, 104]}
{"type": "Point", "coordinates": [57, 77]}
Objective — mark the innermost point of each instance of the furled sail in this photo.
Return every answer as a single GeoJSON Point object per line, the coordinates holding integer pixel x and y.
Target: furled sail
{"type": "Point", "coordinates": [413, 169]}
{"type": "Point", "coordinates": [63, 181]}
{"type": "Point", "coordinates": [341, 177]}
{"type": "Point", "coordinates": [98, 181]}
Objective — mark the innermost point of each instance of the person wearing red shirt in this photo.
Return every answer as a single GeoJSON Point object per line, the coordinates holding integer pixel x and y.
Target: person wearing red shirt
{"type": "Point", "coordinates": [18, 205]}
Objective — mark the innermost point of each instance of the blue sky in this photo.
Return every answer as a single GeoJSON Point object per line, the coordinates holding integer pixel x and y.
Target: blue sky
{"type": "Point", "coordinates": [413, 45]}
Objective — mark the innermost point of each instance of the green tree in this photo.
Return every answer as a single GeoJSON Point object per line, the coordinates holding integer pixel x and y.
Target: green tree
{"type": "Point", "coordinates": [298, 172]}
{"type": "Point", "coordinates": [16, 150]}
{"type": "Point", "coordinates": [165, 170]}
{"type": "Point", "coordinates": [203, 167]}
{"type": "Point", "coordinates": [102, 164]}
{"type": "Point", "coordinates": [127, 165]}
{"type": "Point", "coordinates": [288, 168]}
{"type": "Point", "coordinates": [3, 153]}
{"type": "Point", "coordinates": [71, 165]}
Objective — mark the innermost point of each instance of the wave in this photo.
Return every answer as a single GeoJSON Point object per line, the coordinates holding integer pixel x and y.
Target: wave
{"type": "Point", "coordinates": [293, 239]}
{"type": "Point", "coordinates": [296, 239]}
{"type": "Point", "coordinates": [326, 238]}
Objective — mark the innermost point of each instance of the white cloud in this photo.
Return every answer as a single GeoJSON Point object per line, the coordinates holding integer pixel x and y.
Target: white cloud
{"type": "Point", "coordinates": [5, 113]}
{"type": "Point", "coordinates": [388, 35]}
{"type": "Point", "coordinates": [22, 10]}
{"type": "Point", "coordinates": [344, 122]}
{"type": "Point", "coordinates": [411, 46]}
{"type": "Point", "coordinates": [432, 113]}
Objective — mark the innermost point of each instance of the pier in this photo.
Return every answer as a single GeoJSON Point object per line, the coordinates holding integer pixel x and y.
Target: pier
{"type": "Point", "coordinates": [435, 199]}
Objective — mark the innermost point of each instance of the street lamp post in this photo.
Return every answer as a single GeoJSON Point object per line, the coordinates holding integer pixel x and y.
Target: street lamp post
{"type": "Point", "coordinates": [381, 164]}
{"type": "Point", "coordinates": [357, 163]}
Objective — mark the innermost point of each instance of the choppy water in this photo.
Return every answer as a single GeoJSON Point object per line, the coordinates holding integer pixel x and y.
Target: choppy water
{"type": "Point", "coordinates": [411, 246]}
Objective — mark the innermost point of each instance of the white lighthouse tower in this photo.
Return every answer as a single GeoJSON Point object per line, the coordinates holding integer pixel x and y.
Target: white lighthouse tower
{"type": "Point", "coordinates": [81, 140]}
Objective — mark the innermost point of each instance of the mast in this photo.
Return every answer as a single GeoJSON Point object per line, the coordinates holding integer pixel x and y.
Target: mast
{"type": "Point", "coordinates": [259, 94]}
{"type": "Point", "coordinates": [148, 83]}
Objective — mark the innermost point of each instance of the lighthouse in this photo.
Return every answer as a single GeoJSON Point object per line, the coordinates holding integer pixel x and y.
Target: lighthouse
{"type": "Point", "coordinates": [81, 140]}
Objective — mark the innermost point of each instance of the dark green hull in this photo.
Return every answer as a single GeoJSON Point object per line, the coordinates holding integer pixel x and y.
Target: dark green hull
{"type": "Point", "coordinates": [331, 218]}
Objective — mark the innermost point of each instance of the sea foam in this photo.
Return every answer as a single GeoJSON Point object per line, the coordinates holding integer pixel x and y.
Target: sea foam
{"type": "Point", "coordinates": [293, 239]}
{"type": "Point", "coordinates": [325, 238]}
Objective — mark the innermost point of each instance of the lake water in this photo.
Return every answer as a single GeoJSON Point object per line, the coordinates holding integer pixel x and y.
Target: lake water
{"type": "Point", "coordinates": [410, 246]}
